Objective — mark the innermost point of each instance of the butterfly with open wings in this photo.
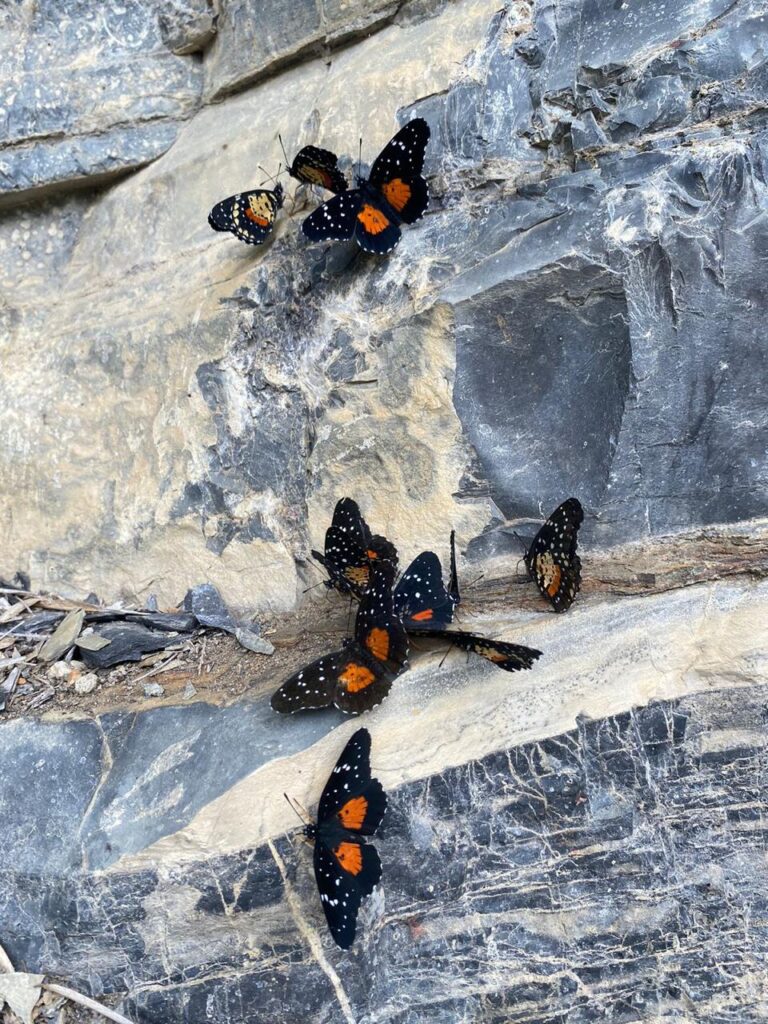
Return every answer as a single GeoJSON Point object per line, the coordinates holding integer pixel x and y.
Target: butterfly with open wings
{"type": "Point", "coordinates": [426, 609]}
{"type": "Point", "coordinates": [360, 675]}
{"type": "Point", "coordinates": [347, 869]}
{"type": "Point", "coordinates": [395, 193]}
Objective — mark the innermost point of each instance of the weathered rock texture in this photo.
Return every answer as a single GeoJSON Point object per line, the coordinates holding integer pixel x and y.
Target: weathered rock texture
{"type": "Point", "coordinates": [582, 312]}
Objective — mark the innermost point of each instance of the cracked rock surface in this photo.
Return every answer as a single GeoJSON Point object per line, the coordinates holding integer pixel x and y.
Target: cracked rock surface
{"type": "Point", "coordinates": [582, 312]}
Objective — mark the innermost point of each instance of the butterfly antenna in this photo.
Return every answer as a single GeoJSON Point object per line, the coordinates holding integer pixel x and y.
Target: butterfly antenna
{"type": "Point", "coordinates": [359, 157]}
{"type": "Point", "coordinates": [313, 587]}
{"type": "Point", "coordinates": [269, 177]}
{"type": "Point", "coordinates": [442, 660]}
{"type": "Point", "coordinates": [290, 804]}
{"type": "Point", "coordinates": [280, 139]}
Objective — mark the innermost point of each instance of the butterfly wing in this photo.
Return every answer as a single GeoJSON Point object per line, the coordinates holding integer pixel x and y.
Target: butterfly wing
{"type": "Point", "coordinates": [312, 687]}
{"type": "Point", "coordinates": [250, 216]}
{"type": "Point", "coordinates": [346, 871]}
{"type": "Point", "coordinates": [420, 597]}
{"type": "Point", "coordinates": [396, 171]}
{"type": "Point", "coordinates": [375, 231]}
{"type": "Point", "coordinates": [380, 649]}
{"type": "Point", "coordinates": [352, 799]}
{"type": "Point", "coordinates": [315, 166]}
{"type": "Point", "coordinates": [335, 219]}
{"type": "Point", "coordinates": [551, 559]}
{"type": "Point", "coordinates": [510, 657]}
{"type": "Point", "coordinates": [378, 629]}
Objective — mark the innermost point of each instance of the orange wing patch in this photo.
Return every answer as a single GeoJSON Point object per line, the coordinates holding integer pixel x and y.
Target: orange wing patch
{"type": "Point", "coordinates": [423, 616]}
{"type": "Point", "coordinates": [397, 193]}
{"type": "Point", "coordinates": [350, 856]}
{"type": "Point", "coordinates": [377, 642]}
{"type": "Point", "coordinates": [491, 654]}
{"type": "Point", "coordinates": [263, 222]}
{"type": "Point", "coordinates": [356, 677]}
{"type": "Point", "coordinates": [372, 554]}
{"type": "Point", "coordinates": [373, 220]}
{"type": "Point", "coordinates": [353, 813]}
{"type": "Point", "coordinates": [550, 573]}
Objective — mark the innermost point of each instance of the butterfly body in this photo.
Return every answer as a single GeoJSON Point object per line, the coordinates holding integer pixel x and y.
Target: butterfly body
{"type": "Point", "coordinates": [249, 216]}
{"type": "Point", "coordinates": [551, 559]}
{"type": "Point", "coordinates": [358, 676]}
{"type": "Point", "coordinates": [394, 194]}
{"type": "Point", "coordinates": [347, 869]}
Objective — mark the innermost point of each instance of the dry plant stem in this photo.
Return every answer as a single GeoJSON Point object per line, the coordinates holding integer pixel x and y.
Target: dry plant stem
{"type": "Point", "coordinates": [90, 1004]}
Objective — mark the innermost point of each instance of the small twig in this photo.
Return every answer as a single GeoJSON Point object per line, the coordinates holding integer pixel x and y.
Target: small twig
{"type": "Point", "coordinates": [90, 1004]}
{"type": "Point", "coordinates": [158, 668]}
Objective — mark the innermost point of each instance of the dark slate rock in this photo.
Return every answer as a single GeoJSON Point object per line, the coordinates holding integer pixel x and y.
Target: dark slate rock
{"type": "Point", "coordinates": [520, 349]}
{"type": "Point", "coordinates": [205, 602]}
{"type": "Point", "coordinates": [128, 641]}
{"type": "Point", "coordinates": [648, 820]}
{"type": "Point", "coordinates": [58, 767]}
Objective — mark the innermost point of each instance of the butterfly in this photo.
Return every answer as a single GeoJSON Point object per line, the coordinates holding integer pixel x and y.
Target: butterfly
{"type": "Point", "coordinates": [347, 869]}
{"type": "Point", "coordinates": [315, 166]}
{"type": "Point", "coordinates": [394, 194]}
{"type": "Point", "coordinates": [360, 675]}
{"type": "Point", "coordinates": [551, 559]}
{"type": "Point", "coordinates": [350, 549]}
{"type": "Point", "coordinates": [250, 216]}
{"type": "Point", "coordinates": [426, 609]}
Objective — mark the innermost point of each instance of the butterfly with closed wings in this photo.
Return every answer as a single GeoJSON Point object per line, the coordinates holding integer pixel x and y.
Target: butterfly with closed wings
{"type": "Point", "coordinates": [347, 869]}
{"type": "Point", "coordinates": [250, 216]}
{"type": "Point", "coordinates": [394, 194]}
{"type": "Point", "coordinates": [360, 675]}
{"type": "Point", "coordinates": [315, 166]}
{"type": "Point", "coordinates": [350, 549]}
{"type": "Point", "coordinates": [426, 609]}
{"type": "Point", "coordinates": [551, 559]}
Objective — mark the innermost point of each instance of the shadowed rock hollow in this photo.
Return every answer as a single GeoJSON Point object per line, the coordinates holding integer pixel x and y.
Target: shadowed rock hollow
{"type": "Point", "coordinates": [581, 312]}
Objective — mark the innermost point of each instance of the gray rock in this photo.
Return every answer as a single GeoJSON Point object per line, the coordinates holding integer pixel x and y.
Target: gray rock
{"type": "Point", "coordinates": [122, 108]}
{"type": "Point", "coordinates": [188, 26]}
{"type": "Point", "coordinates": [86, 683]}
{"type": "Point", "coordinates": [128, 641]}
{"type": "Point", "coordinates": [627, 810]}
{"type": "Point", "coordinates": [153, 690]}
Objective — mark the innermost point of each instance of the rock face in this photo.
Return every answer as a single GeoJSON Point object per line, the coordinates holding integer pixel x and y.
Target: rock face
{"type": "Point", "coordinates": [580, 312]}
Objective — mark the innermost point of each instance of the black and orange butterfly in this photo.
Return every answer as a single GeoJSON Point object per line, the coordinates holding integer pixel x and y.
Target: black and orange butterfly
{"type": "Point", "coordinates": [360, 675]}
{"type": "Point", "coordinates": [315, 166]}
{"type": "Point", "coordinates": [394, 194]}
{"type": "Point", "coordinates": [426, 609]}
{"type": "Point", "coordinates": [250, 216]}
{"type": "Point", "coordinates": [551, 559]}
{"type": "Point", "coordinates": [350, 548]}
{"type": "Point", "coordinates": [347, 869]}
